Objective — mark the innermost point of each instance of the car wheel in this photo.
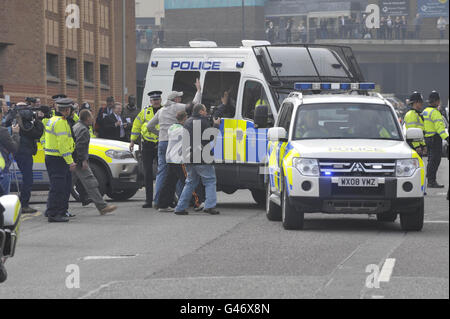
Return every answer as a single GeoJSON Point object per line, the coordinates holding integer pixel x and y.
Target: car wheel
{"type": "Point", "coordinates": [259, 196]}
{"type": "Point", "coordinates": [413, 221]}
{"type": "Point", "coordinates": [122, 195]}
{"type": "Point", "coordinates": [101, 176]}
{"type": "Point", "coordinates": [291, 218]}
{"type": "Point", "coordinates": [273, 211]}
{"type": "Point", "coordinates": [388, 217]}
{"type": "Point", "coordinates": [3, 273]}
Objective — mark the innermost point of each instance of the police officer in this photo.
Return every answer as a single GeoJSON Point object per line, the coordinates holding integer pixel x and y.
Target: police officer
{"type": "Point", "coordinates": [59, 146]}
{"type": "Point", "coordinates": [149, 146]}
{"type": "Point", "coordinates": [414, 119]}
{"type": "Point", "coordinates": [434, 134]}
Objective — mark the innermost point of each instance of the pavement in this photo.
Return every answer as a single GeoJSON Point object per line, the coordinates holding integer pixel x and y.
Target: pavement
{"type": "Point", "coordinates": [139, 253]}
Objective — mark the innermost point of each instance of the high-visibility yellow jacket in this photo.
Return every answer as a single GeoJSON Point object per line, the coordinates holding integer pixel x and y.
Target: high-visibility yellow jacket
{"type": "Point", "coordinates": [58, 139]}
{"type": "Point", "coordinates": [140, 126]}
{"type": "Point", "coordinates": [2, 162]}
{"type": "Point", "coordinates": [434, 123]}
{"type": "Point", "coordinates": [414, 120]}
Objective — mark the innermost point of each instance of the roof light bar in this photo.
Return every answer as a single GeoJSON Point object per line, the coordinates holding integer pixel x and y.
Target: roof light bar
{"type": "Point", "coordinates": [334, 86]}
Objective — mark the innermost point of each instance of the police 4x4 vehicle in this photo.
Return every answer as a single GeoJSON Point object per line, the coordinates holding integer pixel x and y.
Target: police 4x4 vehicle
{"type": "Point", "coordinates": [337, 150]}
{"type": "Point", "coordinates": [257, 77]}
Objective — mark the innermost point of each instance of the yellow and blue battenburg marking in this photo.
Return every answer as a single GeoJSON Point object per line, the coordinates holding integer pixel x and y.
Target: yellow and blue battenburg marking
{"type": "Point", "coordinates": [240, 142]}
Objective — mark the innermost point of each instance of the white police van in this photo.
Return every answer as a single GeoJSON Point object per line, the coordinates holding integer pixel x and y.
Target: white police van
{"type": "Point", "coordinates": [337, 150]}
{"type": "Point", "coordinates": [258, 77]}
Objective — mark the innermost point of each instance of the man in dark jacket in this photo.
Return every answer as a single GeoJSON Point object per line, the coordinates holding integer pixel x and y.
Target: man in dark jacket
{"type": "Point", "coordinates": [114, 126]}
{"type": "Point", "coordinates": [199, 163]}
{"type": "Point", "coordinates": [31, 130]}
{"type": "Point", "coordinates": [8, 145]}
{"type": "Point", "coordinates": [83, 172]}
{"type": "Point", "coordinates": [102, 114]}
{"type": "Point", "coordinates": [129, 114]}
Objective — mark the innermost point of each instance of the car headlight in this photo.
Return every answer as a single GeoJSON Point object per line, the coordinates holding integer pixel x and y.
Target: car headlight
{"type": "Point", "coordinates": [407, 167]}
{"type": "Point", "coordinates": [306, 166]}
{"type": "Point", "coordinates": [119, 155]}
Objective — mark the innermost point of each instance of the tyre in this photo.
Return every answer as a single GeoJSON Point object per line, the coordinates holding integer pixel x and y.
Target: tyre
{"type": "Point", "coordinates": [273, 211]}
{"type": "Point", "coordinates": [291, 218]}
{"type": "Point", "coordinates": [413, 221]}
{"type": "Point", "coordinates": [101, 176]}
{"type": "Point", "coordinates": [122, 195]}
{"type": "Point", "coordinates": [388, 217]}
{"type": "Point", "coordinates": [259, 196]}
{"type": "Point", "coordinates": [3, 273]}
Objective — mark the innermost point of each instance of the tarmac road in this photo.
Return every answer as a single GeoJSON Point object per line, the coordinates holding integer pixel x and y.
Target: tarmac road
{"type": "Point", "coordinates": [137, 253]}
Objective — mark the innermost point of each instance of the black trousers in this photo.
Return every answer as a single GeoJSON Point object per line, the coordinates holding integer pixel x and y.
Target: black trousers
{"type": "Point", "coordinates": [149, 154]}
{"type": "Point", "coordinates": [434, 145]}
{"type": "Point", "coordinates": [175, 173]}
{"type": "Point", "coordinates": [60, 185]}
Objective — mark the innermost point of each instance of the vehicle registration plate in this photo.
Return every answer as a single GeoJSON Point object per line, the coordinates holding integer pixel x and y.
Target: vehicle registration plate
{"type": "Point", "coordinates": [357, 182]}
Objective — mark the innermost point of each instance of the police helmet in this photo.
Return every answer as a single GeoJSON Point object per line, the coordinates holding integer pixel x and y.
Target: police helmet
{"type": "Point", "coordinates": [434, 97]}
{"type": "Point", "coordinates": [415, 97]}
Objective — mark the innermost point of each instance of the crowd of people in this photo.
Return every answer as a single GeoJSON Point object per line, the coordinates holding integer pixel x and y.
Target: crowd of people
{"type": "Point", "coordinates": [344, 27]}
{"type": "Point", "coordinates": [64, 129]}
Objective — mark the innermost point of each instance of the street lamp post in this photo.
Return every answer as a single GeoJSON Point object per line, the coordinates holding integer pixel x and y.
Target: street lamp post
{"type": "Point", "coordinates": [243, 19]}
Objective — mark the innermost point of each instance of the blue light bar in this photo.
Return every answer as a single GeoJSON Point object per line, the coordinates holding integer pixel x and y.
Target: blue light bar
{"type": "Point", "coordinates": [367, 86]}
{"type": "Point", "coordinates": [240, 65]}
{"type": "Point", "coordinates": [155, 64]}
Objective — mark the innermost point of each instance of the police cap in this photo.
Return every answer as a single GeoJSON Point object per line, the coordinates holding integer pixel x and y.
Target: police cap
{"type": "Point", "coordinates": [434, 97]}
{"type": "Point", "coordinates": [64, 103]}
{"type": "Point", "coordinates": [155, 95]}
{"type": "Point", "coordinates": [415, 97]}
{"type": "Point", "coordinates": [59, 96]}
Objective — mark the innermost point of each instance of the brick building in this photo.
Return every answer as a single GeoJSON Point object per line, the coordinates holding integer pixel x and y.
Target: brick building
{"type": "Point", "coordinates": [40, 56]}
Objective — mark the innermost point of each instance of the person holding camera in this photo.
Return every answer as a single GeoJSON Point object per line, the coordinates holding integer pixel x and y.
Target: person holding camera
{"type": "Point", "coordinates": [8, 145]}
{"type": "Point", "coordinates": [31, 129]}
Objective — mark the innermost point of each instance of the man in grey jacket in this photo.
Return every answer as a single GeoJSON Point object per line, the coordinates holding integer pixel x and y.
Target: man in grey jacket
{"type": "Point", "coordinates": [165, 118]}
{"type": "Point", "coordinates": [83, 172]}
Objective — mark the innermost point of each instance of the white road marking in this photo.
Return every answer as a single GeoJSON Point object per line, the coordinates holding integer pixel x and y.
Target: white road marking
{"type": "Point", "coordinates": [436, 222]}
{"type": "Point", "coordinates": [386, 271]}
{"type": "Point", "coordinates": [108, 257]}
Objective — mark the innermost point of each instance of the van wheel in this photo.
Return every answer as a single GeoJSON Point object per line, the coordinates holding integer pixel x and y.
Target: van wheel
{"type": "Point", "coordinates": [3, 273]}
{"type": "Point", "coordinates": [273, 211]}
{"type": "Point", "coordinates": [101, 176]}
{"type": "Point", "coordinates": [122, 195]}
{"type": "Point", "coordinates": [388, 217]}
{"type": "Point", "coordinates": [413, 221]}
{"type": "Point", "coordinates": [292, 219]}
{"type": "Point", "coordinates": [259, 196]}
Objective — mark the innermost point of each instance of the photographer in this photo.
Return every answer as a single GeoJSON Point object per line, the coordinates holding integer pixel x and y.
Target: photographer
{"type": "Point", "coordinates": [31, 129]}
{"type": "Point", "coordinates": [8, 145]}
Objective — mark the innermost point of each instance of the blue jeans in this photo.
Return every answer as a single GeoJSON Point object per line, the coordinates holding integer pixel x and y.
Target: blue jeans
{"type": "Point", "coordinates": [162, 169]}
{"type": "Point", "coordinates": [25, 164]}
{"type": "Point", "coordinates": [5, 183]}
{"type": "Point", "coordinates": [207, 174]}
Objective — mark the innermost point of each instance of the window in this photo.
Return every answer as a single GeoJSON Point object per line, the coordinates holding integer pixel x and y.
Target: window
{"type": "Point", "coordinates": [216, 83]}
{"type": "Point", "coordinates": [88, 72]}
{"type": "Point", "coordinates": [286, 116]}
{"type": "Point", "coordinates": [346, 121]}
{"type": "Point", "coordinates": [254, 95]}
{"type": "Point", "coordinates": [71, 69]}
{"type": "Point", "coordinates": [52, 65]}
{"type": "Point", "coordinates": [184, 81]}
{"type": "Point", "coordinates": [104, 74]}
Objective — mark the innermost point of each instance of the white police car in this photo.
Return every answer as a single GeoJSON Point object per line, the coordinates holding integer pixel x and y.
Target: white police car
{"type": "Point", "coordinates": [342, 152]}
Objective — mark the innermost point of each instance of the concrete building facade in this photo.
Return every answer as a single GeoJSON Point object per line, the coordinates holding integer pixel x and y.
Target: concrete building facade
{"type": "Point", "coordinates": [40, 56]}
